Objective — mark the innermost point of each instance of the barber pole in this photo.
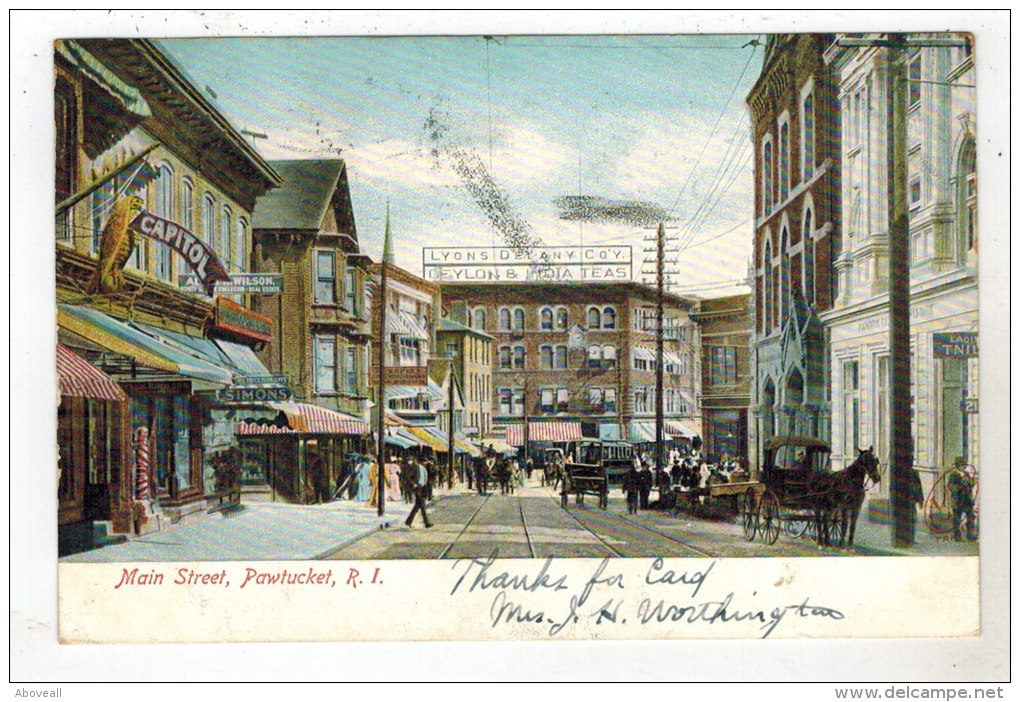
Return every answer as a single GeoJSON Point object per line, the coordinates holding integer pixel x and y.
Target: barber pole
{"type": "Point", "coordinates": [140, 444]}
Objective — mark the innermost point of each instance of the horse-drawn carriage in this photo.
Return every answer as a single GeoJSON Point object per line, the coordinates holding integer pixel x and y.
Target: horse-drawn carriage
{"type": "Point", "coordinates": [795, 490]}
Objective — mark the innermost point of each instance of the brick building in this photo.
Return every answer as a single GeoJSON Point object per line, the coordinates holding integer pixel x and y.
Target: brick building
{"type": "Point", "coordinates": [725, 328]}
{"type": "Point", "coordinates": [471, 352]}
{"type": "Point", "coordinates": [795, 115]}
{"type": "Point", "coordinates": [575, 359]}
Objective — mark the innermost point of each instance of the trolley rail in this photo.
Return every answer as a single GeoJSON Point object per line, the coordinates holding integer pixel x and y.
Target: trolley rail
{"type": "Point", "coordinates": [467, 524]}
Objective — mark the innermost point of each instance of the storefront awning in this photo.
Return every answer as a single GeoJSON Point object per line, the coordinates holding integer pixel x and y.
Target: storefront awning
{"type": "Point", "coordinates": [673, 427]}
{"type": "Point", "coordinates": [497, 445]}
{"type": "Point", "coordinates": [400, 392]}
{"type": "Point", "coordinates": [305, 418]}
{"type": "Point", "coordinates": [432, 438]}
{"type": "Point", "coordinates": [145, 347]}
{"type": "Point", "coordinates": [395, 439]}
{"type": "Point", "coordinates": [76, 377]}
{"type": "Point", "coordinates": [642, 433]}
{"type": "Point", "coordinates": [543, 431]}
{"type": "Point", "coordinates": [462, 445]}
{"type": "Point", "coordinates": [642, 353]}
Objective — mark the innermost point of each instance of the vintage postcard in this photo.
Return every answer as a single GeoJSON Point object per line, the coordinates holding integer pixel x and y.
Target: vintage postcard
{"type": "Point", "coordinates": [529, 336]}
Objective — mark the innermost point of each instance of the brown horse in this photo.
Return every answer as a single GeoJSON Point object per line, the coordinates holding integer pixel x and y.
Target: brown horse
{"type": "Point", "coordinates": [845, 490]}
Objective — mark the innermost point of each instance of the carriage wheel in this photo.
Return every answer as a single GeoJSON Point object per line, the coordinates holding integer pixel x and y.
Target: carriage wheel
{"type": "Point", "coordinates": [833, 525]}
{"type": "Point", "coordinates": [748, 515]}
{"type": "Point", "coordinates": [796, 526]}
{"type": "Point", "coordinates": [768, 517]}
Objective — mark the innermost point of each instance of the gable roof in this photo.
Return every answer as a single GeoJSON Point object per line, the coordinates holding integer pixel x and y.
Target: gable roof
{"type": "Point", "coordinates": [301, 202]}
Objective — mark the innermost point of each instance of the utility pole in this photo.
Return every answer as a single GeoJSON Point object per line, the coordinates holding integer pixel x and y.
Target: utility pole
{"type": "Point", "coordinates": [449, 437]}
{"type": "Point", "coordinates": [380, 398]}
{"type": "Point", "coordinates": [660, 266]}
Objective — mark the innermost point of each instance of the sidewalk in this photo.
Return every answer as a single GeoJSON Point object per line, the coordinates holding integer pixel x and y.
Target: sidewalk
{"type": "Point", "coordinates": [259, 531]}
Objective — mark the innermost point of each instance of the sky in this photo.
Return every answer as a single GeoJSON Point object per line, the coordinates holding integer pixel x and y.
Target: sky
{"type": "Point", "coordinates": [476, 141]}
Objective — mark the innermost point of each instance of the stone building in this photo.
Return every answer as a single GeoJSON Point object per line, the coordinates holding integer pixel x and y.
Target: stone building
{"type": "Point", "coordinates": [797, 237]}
{"type": "Point", "coordinates": [942, 199]}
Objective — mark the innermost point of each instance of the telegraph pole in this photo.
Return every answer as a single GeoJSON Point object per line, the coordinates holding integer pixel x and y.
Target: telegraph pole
{"type": "Point", "coordinates": [380, 404]}
{"type": "Point", "coordinates": [660, 265]}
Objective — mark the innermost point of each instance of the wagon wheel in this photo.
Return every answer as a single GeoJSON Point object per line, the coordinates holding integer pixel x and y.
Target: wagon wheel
{"type": "Point", "coordinates": [769, 521]}
{"type": "Point", "coordinates": [797, 525]}
{"type": "Point", "coordinates": [833, 524]}
{"type": "Point", "coordinates": [749, 515]}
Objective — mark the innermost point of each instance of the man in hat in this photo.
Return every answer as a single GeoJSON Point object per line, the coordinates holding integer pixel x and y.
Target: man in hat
{"type": "Point", "coordinates": [420, 485]}
{"type": "Point", "coordinates": [960, 482]}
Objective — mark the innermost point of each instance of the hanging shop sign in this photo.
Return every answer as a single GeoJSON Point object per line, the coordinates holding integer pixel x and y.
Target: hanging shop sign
{"type": "Point", "coordinates": [239, 284]}
{"type": "Point", "coordinates": [493, 264]}
{"type": "Point", "coordinates": [955, 344]}
{"type": "Point", "coordinates": [243, 395]}
{"type": "Point", "coordinates": [237, 319]}
{"type": "Point", "coordinates": [192, 249]}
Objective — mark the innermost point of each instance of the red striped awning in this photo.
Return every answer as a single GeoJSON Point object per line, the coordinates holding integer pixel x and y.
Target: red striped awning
{"type": "Point", "coordinates": [543, 431]}
{"type": "Point", "coordinates": [256, 429]}
{"type": "Point", "coordinates": [76, 377]}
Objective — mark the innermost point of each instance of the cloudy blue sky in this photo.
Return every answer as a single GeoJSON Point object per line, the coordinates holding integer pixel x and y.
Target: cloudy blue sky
{"type": "Point", "coordinates": [458, 132]}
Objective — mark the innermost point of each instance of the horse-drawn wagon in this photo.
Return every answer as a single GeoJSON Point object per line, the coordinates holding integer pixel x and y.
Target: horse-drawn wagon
{"type": "Point", "coordinates": [795, 491]}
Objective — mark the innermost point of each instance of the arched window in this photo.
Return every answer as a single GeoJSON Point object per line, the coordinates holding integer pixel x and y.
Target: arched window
{"type": "Point", "coordinates": [518, 319]}
{"type": "Point", "coordinates": [594, 356]}
{"type": "Point", "coordinates": [226, 250]}
{"type": "Point", "coordinates": [242, 244]}
{"type": "Point", "coordinates": [594, 319]}
{"type": "Point", "coordinates": [609, 318]}
{"type": "Point", "coordinates": [784, 161]}
{"type": "Point", "coordinates": [504, 319]}
{"type": "Point", "coordinates": [547, 319]}
{"type": "Point", "coordinates": [518, 357]}
{"type": "Point", "coordinates": [967, 207]}
{"type": "Point", "coordinates": [208, 219]}
{"type": "Point", "coordinates": [504, 358]}
{"type": "Point", "coordinates": [546, 354]}
{"type": "Point", "coordinates": [808, 134]}
{"type": "Point", "coordinates": [609, 356]}
{"type": "Point", "coordinates": [561, 357]}
{"type": "Point", "coordinates": [164, 207]}
{"type": "Point", "coordinates": [784, 274]}
{"type": "Point", "coordinates": [479, 319]}
{"type": "Point", "coordinates": [766, 166]}
{"type": "Point", "coordinates": [562, 318]}
{"type": "Point", "coordinates": [809, 259]}
{"type": "Point", "coordinates": [188, 204]}
{"type": "Point", "coordinates": [766, 265]}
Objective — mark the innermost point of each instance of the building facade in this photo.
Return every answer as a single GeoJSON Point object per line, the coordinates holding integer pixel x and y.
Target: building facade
{"type": "Point", "coordinates": [471, 353]}
{"type": "Point", "coordinates": [797, 237]}
{"type": "Point", "coordinates": [134, 137]}
{"type": "Point", "coordinates": [725, 329]}
{"type": "Point", "coordinates": [942, 200]}
{"type": "Point", "coordinates": [575, 360]}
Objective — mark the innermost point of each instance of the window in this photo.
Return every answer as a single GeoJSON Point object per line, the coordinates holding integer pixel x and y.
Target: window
{"type": "Point", "coordinates": [242, 245]}
{"type": "Point", "coordinates": [915, 192]}
{"type": "Point", "coordinates": [351, 371]}
{"type": "Point", "coordinates": [504, 358]}
{"type": "Point", "coordinates": [766, 160]}
{"type": "Point", "coordinates": [767, 268]}
{"type": "Point", "coordinates": [351, 291]}
{"type": "Point", "coordinates": [451, 349]}
{"type": "Point", "coordinates": [208, 207]}
{"type": "Point", "coordinates": [518, 319]}
{"type": "Point", "coordinates": [325, 277]}
{"type": "Point", "coordinates": [546, 355]}
{"type": "Point", "coordinates": [809, 259]}
{"type": "Point", "coordinates": [595, 356]}
{"type": "Point", "coordinates": [808, 135]}
{"type": "Point", "coordinates": [594, 318]}
{"type": "Point", "coordinates": [410, 351]}
{"type": "Point", "coordinates": [915, 80]}
{"type": "Point", "coordinates": [562, 400]}
{"type": "Point", "coordinates": [518, 357]}
{"type": "Point", "coordinates": [784, 274]}
{"type": "Point", "coordinates": [546, 319]}
{"type": "Point", "coordinates": [609, 318]}
{"type": "Point", "coordinates": [784, 160]}
{"type": "Point", "coordinates": [164, 207]}
{"type": "Point", "coordinates": [479, 318]}
{"type": "Point", "coordinates": [226, 250]}
{"type": "Point", "coordinates": [609, 356]}
{"type": "Point", "coordinates": [723, 368]}
{"type": "Point", "coordinates": [561, 357]}
{"type": "Point", "coordinates": [595, 398]}
{"type": "Point", "coordinates": [65, 108]}
{"type": "Point", "coordinates": [882, 407]}
{"type": "Point", "coordinates": [562, 318]}
{"type": "Point", "coordinates": [547, 399]}
{"type": "Point", "coordinates": [187, 205]}
{"type": "Point", "coordinates": [325, 364]}
{"type": "Point", "coordinates": [851, 408]}
{"type": "Point", "coordinates": [609, 397]}
{"type": "Point", "coordinates": [504, 319]}
{"type": "Point", "coordinates": [967, 212]}
{"type": "Point", "coordinates": [505, 400]}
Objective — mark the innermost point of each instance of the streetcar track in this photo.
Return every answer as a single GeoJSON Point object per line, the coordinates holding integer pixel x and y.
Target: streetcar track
{"type": "Point", "coordinates": [467, 524]}
{"type": "Point", "coordinates": [524, 522]}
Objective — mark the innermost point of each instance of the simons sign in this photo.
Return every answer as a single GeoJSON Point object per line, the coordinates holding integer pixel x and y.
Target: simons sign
{"type": "Point", "coordinates": [192, 249]}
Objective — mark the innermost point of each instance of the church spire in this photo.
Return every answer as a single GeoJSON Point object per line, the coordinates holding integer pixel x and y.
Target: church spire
{"type": "Point", "coordinates": [387, 255]}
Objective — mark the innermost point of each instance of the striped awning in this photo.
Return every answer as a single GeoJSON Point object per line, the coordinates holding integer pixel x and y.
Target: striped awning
{"type": "Point", "coordinates": [673, 427]}
{"type": "Point", "coordinates": [643, 353]}
{"type": "Point", "coordinates": [434, 439]}
{"type": "Point", "coordinates": [257, 429]}
{"type": "Point", "coordinates": [543, 431]}
{"type": "Point", "coordinates": [76, 377]}
{"type": "Point", "coordinates": [304, 418]}
{"type": "Point", "coordinates": [642, 433]}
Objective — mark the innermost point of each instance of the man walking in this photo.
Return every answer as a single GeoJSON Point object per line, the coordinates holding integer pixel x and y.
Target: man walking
{"type": "Point", "coordinates": [420, 485]}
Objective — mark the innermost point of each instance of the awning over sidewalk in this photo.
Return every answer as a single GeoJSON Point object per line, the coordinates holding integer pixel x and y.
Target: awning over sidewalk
{"type": "Point", "coordinates": [76, 377]}
{"type": "Point", "coordinates": [543, 431]}
{"type": "Point", "coordinates": [642, 433]}
{"type": "Point", "coordinates": [303, 418]}
{"type": "Point", "coordinates": [497, 445]}
{"type": "Point", "coordinates": [432, 438]}
{"type": "Point", "coordinates": [674, 427]}
{"type": "Point", "coordinates": [145, 347]}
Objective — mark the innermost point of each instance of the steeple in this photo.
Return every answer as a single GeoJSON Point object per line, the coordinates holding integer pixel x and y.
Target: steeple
{"type": "Point", "coordinates": [387, 255]}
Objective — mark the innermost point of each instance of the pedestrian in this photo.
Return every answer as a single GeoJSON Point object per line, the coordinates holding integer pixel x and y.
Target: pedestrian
{"type": "Point", "coordinates": [420, 485]}
{"type": "Point", "coordinates": [961, 494]}
{"type": "Point", "coordinates": [645, 478]}
{"type": "Point", "coordinates": [529, 467]}
{"type": "Point", "coordinates": [632, 487]}
{"type": "Point", "coordinates": [392, 479]}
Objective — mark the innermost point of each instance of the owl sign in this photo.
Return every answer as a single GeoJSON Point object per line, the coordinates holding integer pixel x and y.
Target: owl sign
{"type": "Point", "coordinates": [192, 249]}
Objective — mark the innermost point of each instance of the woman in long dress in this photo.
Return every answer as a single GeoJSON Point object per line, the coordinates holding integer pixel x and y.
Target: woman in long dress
{"type": "Point", "coordinates": [393, 480]}
{"type": "Point", "coordinates": [364, 485]}
{"type": "Point", "coordinates": [373, 480]}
